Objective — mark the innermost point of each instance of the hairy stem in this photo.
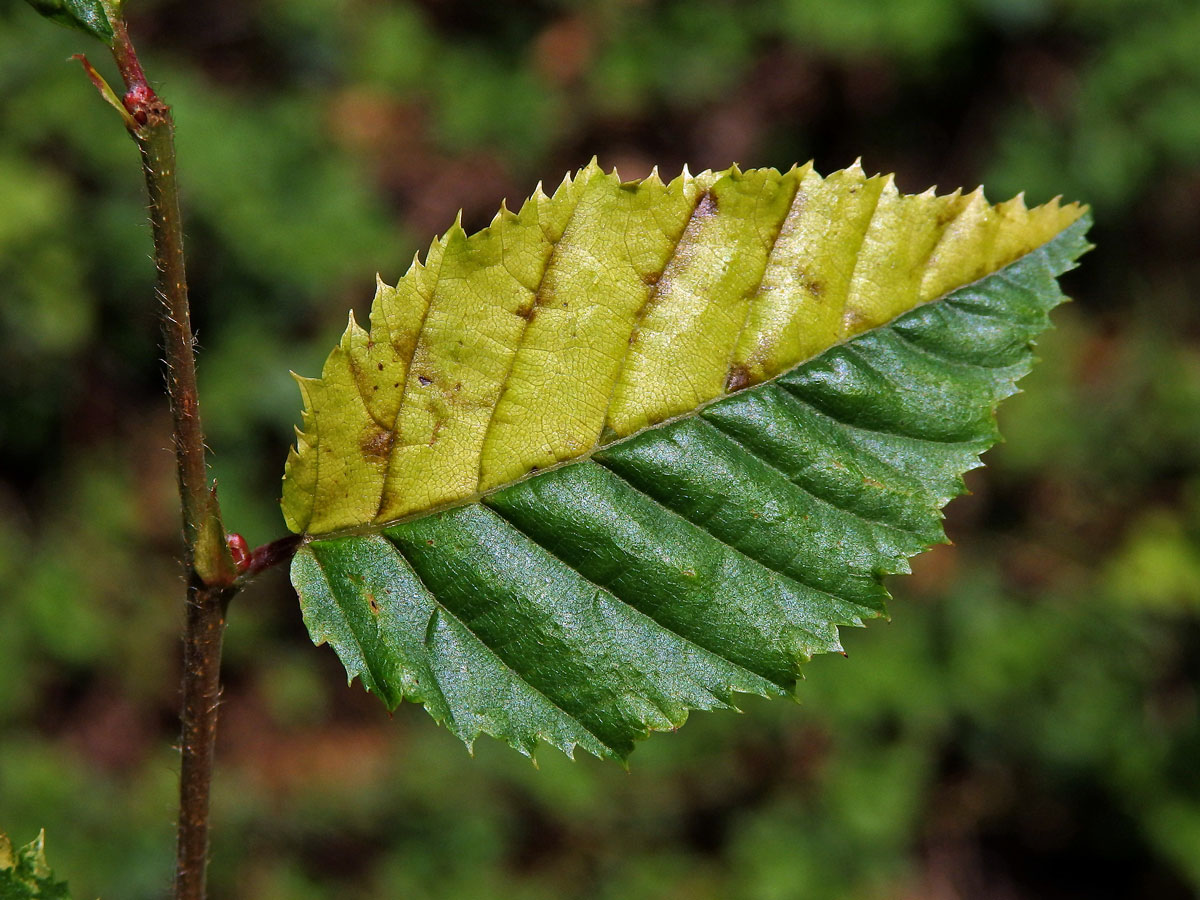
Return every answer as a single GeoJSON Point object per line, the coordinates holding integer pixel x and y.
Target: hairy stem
{"type": "Point", "coordinates": [201, 696]}
{"type": "Point", "coordinates": [155, 138]}
{"type": "Point", "coordinates": [210, 570]}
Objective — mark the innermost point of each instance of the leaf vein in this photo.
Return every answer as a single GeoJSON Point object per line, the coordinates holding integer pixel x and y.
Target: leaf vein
{"type": "Point", "coordinates": [742, 553]}
{"type": "Point", "coordinates": [942, 359]}
{"type": "Point", "coordinates": [512, 361]}
{"type": "Point", "coordinates": [651, 299]}
{"type": "Point", "coordinates": [868, 520]}
{"type": "Point", "coordinates": [797, 391]}
{"type": "Point", "coordinates": [500, 659]}
{"type": "Point", "coordinates": [796, 197]}
{"type": "Point", "coordinates": [366, 657]}
{"type": "Point", "coordinates": [612, 593]}
{"type": "Point", "coordinates": [855, 274]}
{"type": "Point", "coordinates": [387, 469]}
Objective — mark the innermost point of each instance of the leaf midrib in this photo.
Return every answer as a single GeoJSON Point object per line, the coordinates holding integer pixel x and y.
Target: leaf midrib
{"type": "Point", "coordinates": [374, 527]}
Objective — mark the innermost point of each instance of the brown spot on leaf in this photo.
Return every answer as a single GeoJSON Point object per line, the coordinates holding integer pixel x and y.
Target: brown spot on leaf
{"type": "Point", "coordinates": [739, 378]}
{"type": "Point", "coordinates": [651, 278]}
{"type": "Point", "coordinates": [379, 366]}
{"type": "Point", "coordinates": [373, 603]}
{"type": "Point", "coordinates": [528, 312]}
{"type": "Point", "coordinates": [854, 322]}
{"type": "Point", "coordinates": [376, 444]}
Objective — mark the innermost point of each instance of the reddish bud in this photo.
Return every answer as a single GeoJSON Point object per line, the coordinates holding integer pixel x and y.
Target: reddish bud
{"type": "Point", "coordinates": [137, 100]}
{"type": "Point", "coordinates": [239, 550]}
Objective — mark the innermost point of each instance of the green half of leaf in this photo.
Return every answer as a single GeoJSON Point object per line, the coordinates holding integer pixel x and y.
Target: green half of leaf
{"type": "Point", "coordinates": [24, 873]}
{"type": "Point", "coordinates": [86, 15]}
{"type": "Point", "coordinates": [765, 422]}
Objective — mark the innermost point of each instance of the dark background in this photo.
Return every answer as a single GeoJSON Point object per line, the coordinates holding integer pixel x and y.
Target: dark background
{"type": "Point", "coordinates": [1027, 727]}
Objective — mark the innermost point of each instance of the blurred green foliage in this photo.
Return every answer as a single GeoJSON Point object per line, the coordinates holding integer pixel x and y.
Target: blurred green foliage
{"type": "Point", "coordinates": [1028, 727]}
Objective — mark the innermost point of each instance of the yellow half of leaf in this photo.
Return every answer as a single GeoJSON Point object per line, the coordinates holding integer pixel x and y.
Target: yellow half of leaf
{"type": "Point", "coordinates": [611, 307]}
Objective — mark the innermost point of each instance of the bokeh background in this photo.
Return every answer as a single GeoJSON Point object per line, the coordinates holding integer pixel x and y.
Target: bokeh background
{"type": "Point", "coordinates": [1028, 725]}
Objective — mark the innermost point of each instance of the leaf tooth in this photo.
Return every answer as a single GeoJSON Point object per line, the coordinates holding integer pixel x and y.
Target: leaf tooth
{"type": "Point", "coordinates": [680, 183]}
{"type": "Point", "coordinates": [528, 215]}
{"type": "Point", "coordinates": [437, 247]}
{"type": "Point", "coordinates": [307, 384]}
{"type": "Point", "coordinates": [565, 185]}
{"type": "Point", "coordinates": [354, 334]}
{"type": "Point", "coordinates": [455, 232]}
{"type": "Point", "coordinates": [1015, 206]}
{"type": "Point", "coordinates": [506, 216]}
{"type": "Point", "coordinates": [976, 200]}
{"type": "Point", "coordinates": [302, 443]}
{"type": "Point", "coordinates": [414, 267]}
{"type": "Point", "coordinates": [381, 330]}
{"type": "Point", "coordinates": [40, 867]}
